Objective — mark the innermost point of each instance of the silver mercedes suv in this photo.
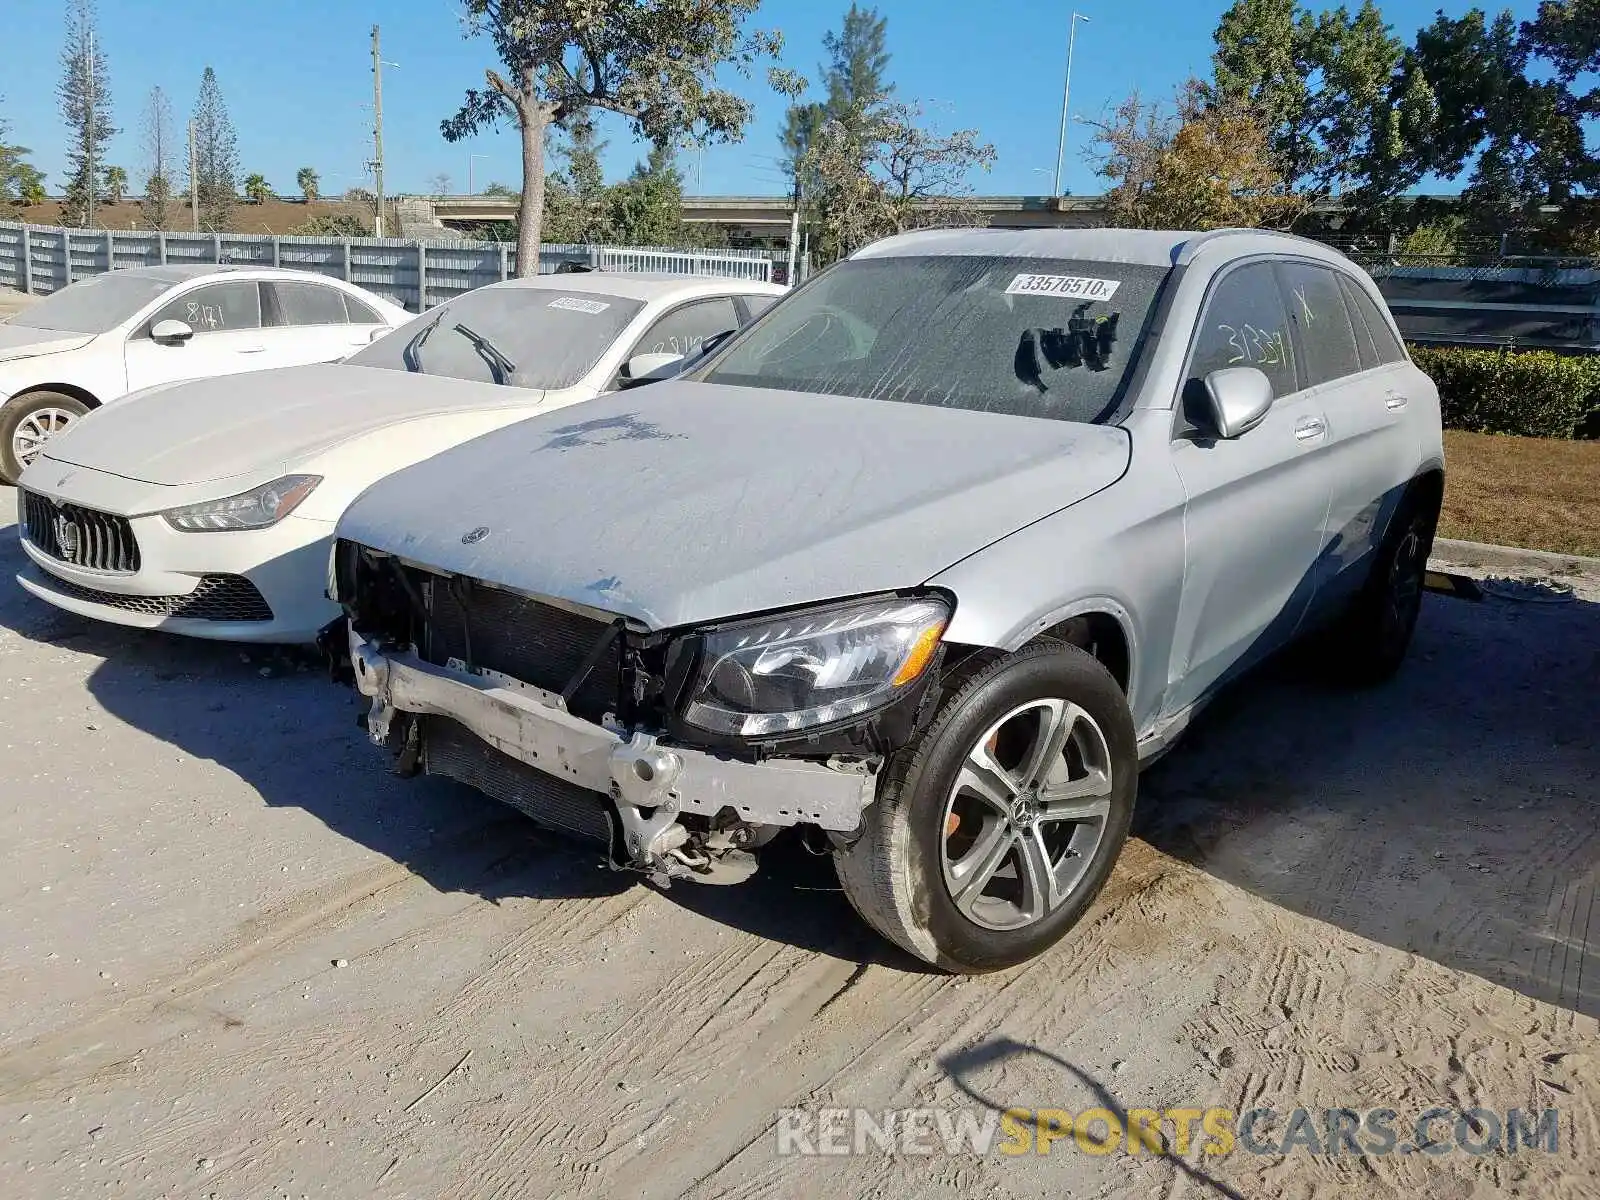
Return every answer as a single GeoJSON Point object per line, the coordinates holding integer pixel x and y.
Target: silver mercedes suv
{"type": "Point", "coordinates": [928, 562]}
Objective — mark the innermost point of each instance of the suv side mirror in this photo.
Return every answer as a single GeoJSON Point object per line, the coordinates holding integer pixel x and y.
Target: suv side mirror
{"type": "Point", "coordinates": [1239, 399]}
{"type": "Point", "coordinates": [171, 333]}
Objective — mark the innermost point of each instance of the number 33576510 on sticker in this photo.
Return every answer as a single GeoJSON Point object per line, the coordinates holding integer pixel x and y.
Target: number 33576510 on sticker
{"type": "Point", "coordinates": [1069, 287]}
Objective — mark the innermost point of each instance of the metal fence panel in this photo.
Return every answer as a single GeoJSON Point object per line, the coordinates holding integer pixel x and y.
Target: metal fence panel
{"type": "Point", "coordinates": [416, 275]}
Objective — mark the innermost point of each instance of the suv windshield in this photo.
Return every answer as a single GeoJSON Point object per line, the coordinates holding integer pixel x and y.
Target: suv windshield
{"type": "Point", "coordinates": [93, 305]}
{"type": "Point", "coordinates": [1025, 336]}
{"type": "Point", "coordinates": [524, 336]}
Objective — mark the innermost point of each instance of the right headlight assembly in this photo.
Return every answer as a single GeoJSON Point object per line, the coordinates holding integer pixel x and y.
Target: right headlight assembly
{"type": "Point", "coordinates": [814, 667]}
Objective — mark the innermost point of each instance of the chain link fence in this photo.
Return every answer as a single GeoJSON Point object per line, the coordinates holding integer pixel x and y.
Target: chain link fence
{"type": "Point", "coordinates": [39, 259]}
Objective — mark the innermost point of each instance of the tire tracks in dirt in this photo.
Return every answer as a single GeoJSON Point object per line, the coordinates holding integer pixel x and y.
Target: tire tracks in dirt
{"type": "Point", "coordinates": [103, 1045]}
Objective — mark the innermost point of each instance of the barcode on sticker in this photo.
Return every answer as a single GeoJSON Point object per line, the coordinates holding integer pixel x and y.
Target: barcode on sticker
{"type": "Point", "coordinates": [1071, 287]}
{"type": "Point", "coordinates": [573, 304]}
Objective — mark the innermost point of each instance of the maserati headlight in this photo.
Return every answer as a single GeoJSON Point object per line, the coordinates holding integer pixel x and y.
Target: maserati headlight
{"type": "Point", "coordinates": [812, 668]}
{"type": "Point", "coordinates": [259, 508]}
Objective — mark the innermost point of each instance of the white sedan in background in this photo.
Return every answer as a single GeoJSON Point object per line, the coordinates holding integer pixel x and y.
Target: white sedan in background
{"type": "Point", "coordinates": [127, 330]}
{"type": "Point", "coordinates": [207, 508]}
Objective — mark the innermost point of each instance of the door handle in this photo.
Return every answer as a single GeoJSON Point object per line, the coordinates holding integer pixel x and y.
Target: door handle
{"type": "Point", "coordinates": [1394, 402]}
{"type": "Point", "coordinates": [1309, 429]}
{"type": "Point", "coordinates": [252, 350]}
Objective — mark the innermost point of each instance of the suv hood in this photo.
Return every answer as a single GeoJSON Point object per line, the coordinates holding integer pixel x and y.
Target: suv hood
{"type": "Point", "coordinates": [217, 428]}
{"type": "Point", "coordinates": [19, 341]}
{"type": "Point", "coordinates": [687, 502]}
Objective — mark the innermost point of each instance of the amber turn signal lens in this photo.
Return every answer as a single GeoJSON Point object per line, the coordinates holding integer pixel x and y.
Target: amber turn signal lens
{"type": "Point", "coordinates": [921, 654]}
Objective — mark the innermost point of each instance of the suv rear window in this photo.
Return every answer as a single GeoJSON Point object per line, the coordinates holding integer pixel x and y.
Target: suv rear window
{"type": "Point", "coordinates": [1023, 336]}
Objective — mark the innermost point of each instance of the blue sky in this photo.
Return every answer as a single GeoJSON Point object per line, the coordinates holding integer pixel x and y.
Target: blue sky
{"type": "Point", "coordinates": [296, 77]}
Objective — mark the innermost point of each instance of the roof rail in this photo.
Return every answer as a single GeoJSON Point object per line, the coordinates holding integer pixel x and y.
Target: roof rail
{"type": "Point", "coordinates": [1211, 235]}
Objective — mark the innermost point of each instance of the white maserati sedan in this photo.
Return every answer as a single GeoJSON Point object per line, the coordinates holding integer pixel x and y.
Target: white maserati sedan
{"type": "Point", "coordinates": [105, 336]}
{"type": "Point", "coordinates": [207, 507]}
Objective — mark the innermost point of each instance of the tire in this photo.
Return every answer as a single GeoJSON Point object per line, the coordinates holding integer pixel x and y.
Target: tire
{"type": "Point", "coordinates": [1371, 641]}
{"type": "Point", "coordinates": [929, 834]}
{"type": "Point", "coordinates": [27, 416]}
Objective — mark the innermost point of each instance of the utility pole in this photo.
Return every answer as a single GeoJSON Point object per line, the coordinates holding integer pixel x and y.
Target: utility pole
{"type": "Point", "coordinates": [377, 128]}
{"type": "Point", "coordinates": [88, 88]}
{"type": "Point", "coordinates": [794, 231]}
{"type": "Point", "coordinates": [194, 178]}
{"type": "Point", "coordinates": [1066, 98]}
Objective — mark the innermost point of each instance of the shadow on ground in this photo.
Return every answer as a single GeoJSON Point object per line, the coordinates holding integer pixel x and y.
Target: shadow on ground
{"type": "Point", "coordinates": [274, 719]}
{"type": "Point", "coordinates": [1452, 812]}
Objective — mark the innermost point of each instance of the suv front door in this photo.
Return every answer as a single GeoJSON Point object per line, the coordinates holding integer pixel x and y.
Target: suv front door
{"type": "Point", "coordinates": [1256, 505]}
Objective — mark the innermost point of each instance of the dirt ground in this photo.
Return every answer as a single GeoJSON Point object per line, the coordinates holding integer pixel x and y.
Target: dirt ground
{"type": "Point", "coordinates": [238, 954]}
{"type": "Point", "coordinates": [272, 216]}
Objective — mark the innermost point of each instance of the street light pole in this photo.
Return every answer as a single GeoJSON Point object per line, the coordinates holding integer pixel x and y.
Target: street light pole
{"type": "Point", "coordinates": [377, 129]}
{"type": "Point", "coordinates": [1066, 98]}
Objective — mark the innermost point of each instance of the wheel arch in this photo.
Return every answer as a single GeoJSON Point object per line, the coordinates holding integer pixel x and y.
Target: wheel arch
{"type": "Point", "coordinates": [1100, 627]}
{"type": "Point", "coordinates": [81, 394]}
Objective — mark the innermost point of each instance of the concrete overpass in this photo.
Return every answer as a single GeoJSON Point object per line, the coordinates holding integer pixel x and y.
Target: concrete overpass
{"type": "Point", "coordinates": [757, 220]}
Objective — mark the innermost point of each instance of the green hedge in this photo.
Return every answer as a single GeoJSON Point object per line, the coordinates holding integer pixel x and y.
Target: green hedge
{"type": "Point", "coordinates": [1535, 393]}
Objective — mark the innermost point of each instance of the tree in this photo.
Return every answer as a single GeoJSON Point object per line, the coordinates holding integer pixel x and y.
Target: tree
{"type": "Point", "coordinates": [307, 180]}
{"type": "Point", "coordinates": [649, 63]}
{"type": "Point", "coordinates": [256, 189]}
{"type": "Point", "coordinates": [858, 61]}
{"type": "Point", "coordinates": [215, 155]}
{"type": "Point", "coordinates": [1336, 91]}
{"type": "Point", "coordinates": [440, 184]}
{"type": "Point", "coordinates": [85, 97]}
{"type": "Point", "coordinates": [575, 199]}
{"type": "Point", "coordinates": [855, 79]}
{"type": "Point", "coordinates": [156, 207]}
{"type": "Point", "coordinates": [647, 209]}
{"type": "Point", "coordinates": [21, 183]}
{"type": "Point", "coordinates": [499, 189]}
{"type": "Point", "coordinates": [1199, 163]}
{"type": "Point", "coordinates": [1510, 116]}
{"type": "Point", "coordinates": [881, 172]}
{"type": "Point", "coordinates": [342, 225]}
{"type": "Point", "coordinates": [115, 182]}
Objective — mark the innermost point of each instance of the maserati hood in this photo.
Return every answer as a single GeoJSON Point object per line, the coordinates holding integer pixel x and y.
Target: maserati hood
{"type": "Point", "coordinates": [217, 428]}
{"type": "Point", "coordinates": [19, 341]}
{"type": "Point", "coordinates": [688, 502]}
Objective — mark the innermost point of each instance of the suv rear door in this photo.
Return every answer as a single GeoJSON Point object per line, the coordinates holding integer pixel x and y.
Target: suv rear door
{"type": "Point", "coordinates": [1256, 505]}
{"type": "Point", "coordinates": [1371, 448]}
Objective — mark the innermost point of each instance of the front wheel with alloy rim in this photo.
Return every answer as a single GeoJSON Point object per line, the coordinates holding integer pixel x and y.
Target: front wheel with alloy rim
{"type": "Point", "coordinates": [995, 829]}
{"type": "Point", "coordinates": [27, 423]}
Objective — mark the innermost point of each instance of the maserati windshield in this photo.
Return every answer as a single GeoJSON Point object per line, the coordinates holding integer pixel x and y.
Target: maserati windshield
{"type": "Point", "coordinates": [1024, 336]}
{"type": "Point", "coordinates": [522, 336]}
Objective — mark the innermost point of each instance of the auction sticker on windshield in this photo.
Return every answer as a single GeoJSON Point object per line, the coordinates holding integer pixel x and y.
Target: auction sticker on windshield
{"type": "Point", "coordinates": [1070, 287]}
{"type": "Point", "coordinates": [573, 304]}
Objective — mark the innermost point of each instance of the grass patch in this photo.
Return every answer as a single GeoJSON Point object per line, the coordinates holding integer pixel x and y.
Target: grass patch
{"type": "Point", "coordinates": [1538, 493]}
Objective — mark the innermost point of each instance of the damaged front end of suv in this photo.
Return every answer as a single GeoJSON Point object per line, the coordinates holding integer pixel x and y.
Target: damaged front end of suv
{"type": "Point", "coordinates": [678, 752]}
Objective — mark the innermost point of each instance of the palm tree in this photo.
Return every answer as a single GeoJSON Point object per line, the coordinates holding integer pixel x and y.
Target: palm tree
{"type": "Point", "coordinates": [256, 189]}
{"type": "Point", "coordinates": [306, 180]}
{"type": "Point", "coordinates": [116, 184]}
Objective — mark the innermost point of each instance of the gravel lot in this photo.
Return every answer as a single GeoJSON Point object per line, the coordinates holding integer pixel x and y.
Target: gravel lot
{"type": "Point", "coordinates": [237, 954]}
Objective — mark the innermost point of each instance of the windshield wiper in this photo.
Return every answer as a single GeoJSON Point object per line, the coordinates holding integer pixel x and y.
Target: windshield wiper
{"type": "Point", "coordinates": [502, 366]}
{"type": "Point", "coordinates": [409, 354]}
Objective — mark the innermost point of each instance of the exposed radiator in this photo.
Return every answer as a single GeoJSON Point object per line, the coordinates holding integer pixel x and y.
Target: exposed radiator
{"type": "Point", "coordinates": [452, 750]}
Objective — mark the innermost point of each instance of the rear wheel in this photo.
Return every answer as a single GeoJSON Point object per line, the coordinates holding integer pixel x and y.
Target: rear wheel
{"type": "Point", "coordinates": [1372, 640]}
{"type": "Point", "coordinates": [28, 422]}
{"type": "Point", "coordinates": [995, 830]}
